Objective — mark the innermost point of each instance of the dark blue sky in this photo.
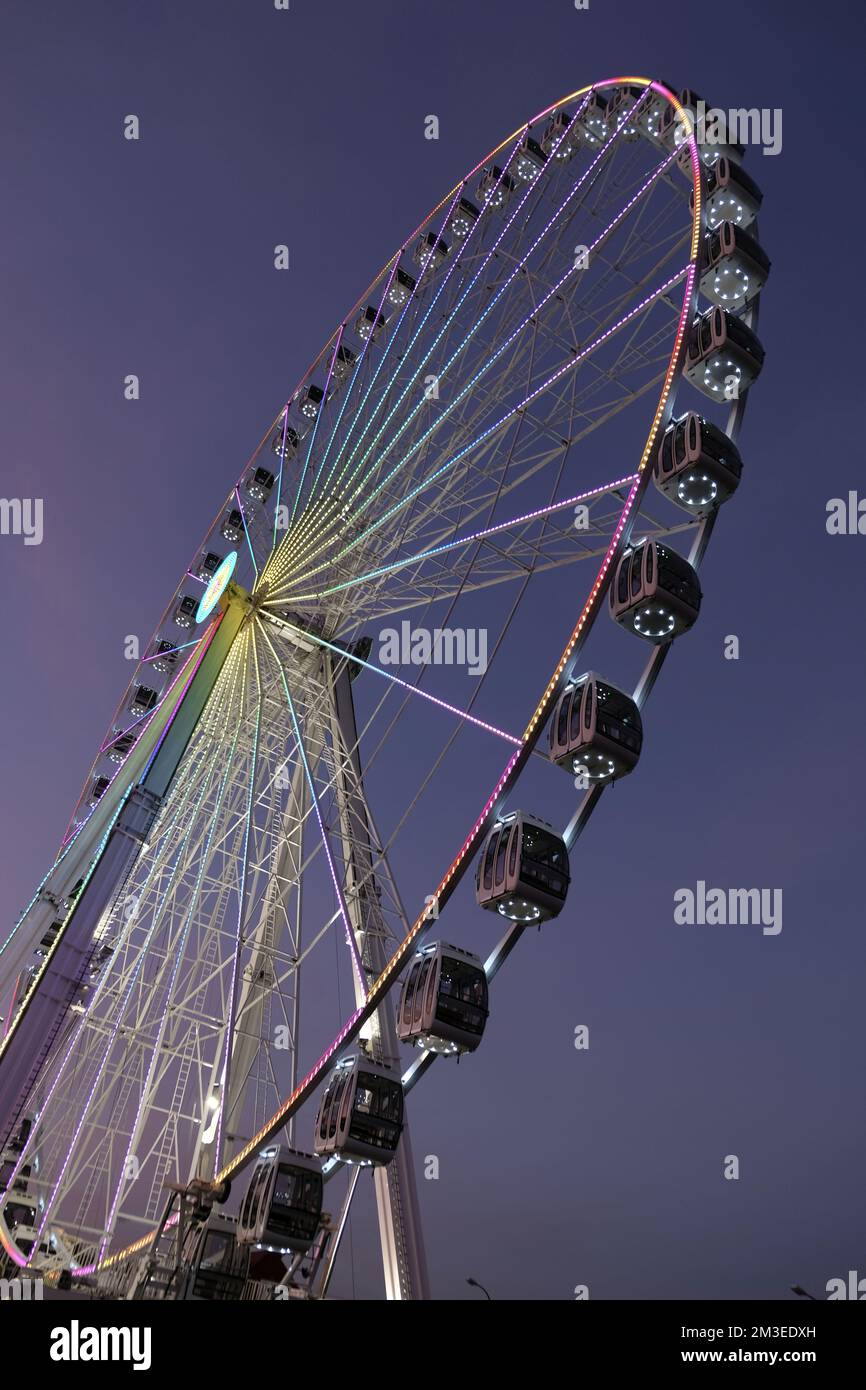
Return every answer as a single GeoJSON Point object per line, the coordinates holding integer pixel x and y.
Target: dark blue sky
{"type": "Point", "coordinates": [557, 1168]}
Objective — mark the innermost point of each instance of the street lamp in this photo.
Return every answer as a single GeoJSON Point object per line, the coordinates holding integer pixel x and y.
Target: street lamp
{"type": "Point", "coordinates": [475, 1285]}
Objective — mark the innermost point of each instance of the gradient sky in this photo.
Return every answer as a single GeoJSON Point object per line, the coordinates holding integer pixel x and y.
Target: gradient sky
{"type": "Point", "coordinates": [558, 1168]}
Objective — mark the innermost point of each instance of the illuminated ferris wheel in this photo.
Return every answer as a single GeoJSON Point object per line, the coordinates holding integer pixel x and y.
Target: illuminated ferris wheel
{"type": "Point", "coordinates": [246, 927]}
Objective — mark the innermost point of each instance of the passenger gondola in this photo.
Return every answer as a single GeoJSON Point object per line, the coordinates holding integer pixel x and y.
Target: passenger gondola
{"type": "Point", "coordinates": [120, 746]}
{"type": "Point", "coordinates": [561, 139]}
{"type": "Point", "coordinates": [143, 701]}
{"type": "Point", "coordinates": [99, 788]}
{"type": "Point", "coordinates": [653, 106]}
{"type": "Point", "coordinates": [463, 219]}
{"type": "Point", "coordinates": [711, 132]}
{"type": "Point", "coordinates": [215, 1266]}
{"type": "Point", "coordinates": [724, 356]}
{"type": "Point", "coordinates": [697, 465]}
{"type": "Point", "coordinates": [360, 1117]}
{"type": "Point", "coordinates": [45, 944]}
{"type": "Point", "coordinates": [655, 592]}
{"type": "Point", "coordinates": [309, 402]}
{"type": "Point", "coordinates": [402, 286]}
{"type": "Point", "coordinates": [369, 323]}
{"type": "Point", "coordinates": [184, 614]}
{"type": "Point", "coordinates": [495, 187]}
{"type": "Point", "coordinates": [233, 526]}
{"type": "Point", "coordinates": [283, 1203]}
{"type": "Point", "coordinates": [165, 656]}
{"type": "Point", "coordinates": [595, 729]}
{"type": "Point", "coordinates": [732, 195]}
{"type": "Point", "coordinates": [530, 161]}
{"type": "Point", "coordinates": [430, 253]}
{"type": "Point", "coordinates": [591, 121]}
{"type": "Point", "coordinates": [672, 127]}
{"type": "Point", "coordinates": [344, 363]}
{"type": "Point", "coordinates": [285, 442]}
{"type": "Point", "coordinates": [443, 1004]}
{"type": "Point", "coordinates": [736, 267]}
{"type": "Point", "coordinates": [208, 565]}
{"type": "Point", "coordinates": [259, 484]}
{"type": "Point", "coordinates": [522, 870]}
{"type": "Point", "coordinates": [620, 104]}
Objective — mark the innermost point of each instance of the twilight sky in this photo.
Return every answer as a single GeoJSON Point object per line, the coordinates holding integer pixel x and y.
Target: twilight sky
{"type": "Point", "coordinates": [557, 1167]}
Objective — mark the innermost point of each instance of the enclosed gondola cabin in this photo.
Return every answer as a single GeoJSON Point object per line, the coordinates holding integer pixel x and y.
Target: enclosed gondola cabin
{"type": "Point", "coordinates": [522, 870]}
{"type": "Point", "coordinates": [283, 1203]}
{"type": "Point", "coordinates": [98, 790]}
{"type": "Point", "coordinates": [674, 126]}
{"type": "Point", "coordinates": [463, 219]}
{"type": "Point", "coordinates": [402, 287]}
{"type": "Point", "coordinates": [697, 466]}
{"type": "Point", "coordinates": [590, 120]}
{"type": "Point", "coordinates": [444, 1003]}
{"type": "Point", "coordinates": [285, 442]}
{"type": "Point", "coordinates": [233, 526]}
{"type": "Point", "coordinates": [495, 187]}
{"type": "Point", "coordinates": [431, 251]}
{"type": "Point", "coordinates": [215, 1266]}
{"type": "Point", "coordinates": [732, 195]}
{"type": "Point", "coordinates": [709, 126]}
{"type": "Point", "coordinates": [561, 139]}
{"type": "Point", "coordinates": [595, 730]}
{"type": "Point", "coordinates": [650, 113]}
{"type": "Point", "coordinates": [344, 362]}
{"type": "Point", "coordinates": [120, 746]}
{"type": "Point", "coordinates": [724, 356]}
{"type": "Point", "coordinates": [259, 484]}
{"type": "Point", "coordinates": [165, 657]}
{"type": "Point", "coordinates": [736, 267]}
{"type": "Point", "coordinates": [623, 101]}
{"type": "Point", "coordinates": [655, 592]}
{"type": "Point", "coordinates": [143, 701]}
{"type": "Point", "coordinates": [360, 1117]}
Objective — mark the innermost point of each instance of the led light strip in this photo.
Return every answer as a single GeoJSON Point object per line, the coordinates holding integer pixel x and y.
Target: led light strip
{"type": "Point", "coordinates": [344, 911]}
{"type": "Point", "coordinates": [522, 520]}
{"type": "Point", "coordinates": [242, 888]}
{"type": "Point", "coordinates": [516, 410]}
{"type": "Point", "coordinates": [413, 689]}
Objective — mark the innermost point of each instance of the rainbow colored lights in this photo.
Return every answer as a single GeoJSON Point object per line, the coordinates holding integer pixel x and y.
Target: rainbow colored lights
{"type": "Point", "coordinates": [217, 587]}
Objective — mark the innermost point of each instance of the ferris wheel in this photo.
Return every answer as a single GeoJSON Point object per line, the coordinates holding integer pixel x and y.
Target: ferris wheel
{"type": "Point", "coordinates": [246, 927]}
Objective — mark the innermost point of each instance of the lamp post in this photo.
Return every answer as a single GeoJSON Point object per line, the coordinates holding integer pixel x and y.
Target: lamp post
{"type": "Point", "coordinates": [475, 1285]}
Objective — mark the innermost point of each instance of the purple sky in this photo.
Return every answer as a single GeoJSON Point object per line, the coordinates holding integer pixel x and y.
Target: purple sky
{"type": "Point", "coordinates": [558, 1168]}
